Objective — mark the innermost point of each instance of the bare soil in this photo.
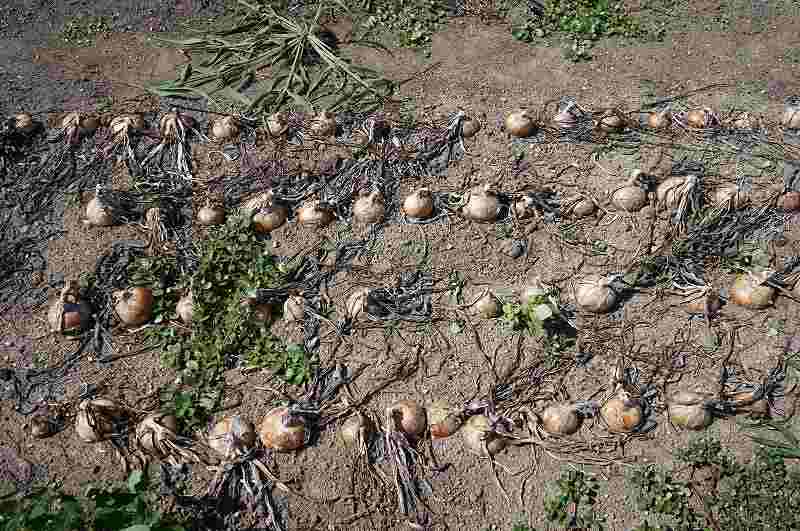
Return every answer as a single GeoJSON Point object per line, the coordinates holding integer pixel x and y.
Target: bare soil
{"type": "Point", "coordinates": [486, 72]}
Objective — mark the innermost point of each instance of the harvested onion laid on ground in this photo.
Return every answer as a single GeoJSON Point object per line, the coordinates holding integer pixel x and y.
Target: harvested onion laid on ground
{"type": "Point", "coordinates": [749, 291]}
{"type": "Point", "coordinates": [369, 207]}
{"type": "Point", "coordinates": [70, 313]}
{"type": "Point", "coordinates": [134, 306]}
{"type": "Point", "coordinates": [99, 419]}
{"type": "Point", "coordinates": [98, 213]}
{"type": "Point", "coordinates": [790, 119]}
{"type": "Point", "coordinates": [622, 413]}
{"type": "Point", "coordinates": [596, 294]}
{"type": "Point", "coordinates": [561, 419]}
{"type": "Point", "coordinates": [210, 214]}
{"type": "Point", "coordinates": [323, 124]}
{"type": "Point", "coordinates": [577, 207]}
{"type": "Point", "coordinates": [731, 194]}
{"type": "Point", "coordinates": [659, 119]}
{"type": "Point", "coordinates": [690, 410]}
{"type": "Point", "coordinates": [356, 304]}
{"type": "Point", "coordinates": [443, 419]}
{"type": "Point", "coordinates": [185, 308]}
{"type": "Point", "coordinates": [231, 437]}
{"type": "Point", "coordinates": [225, 129]}
{"type": "Point", "coordinates": [482, 204]}
{"type": "Point", "coordinates": [630, 197]}
{"type": "Point", "coordinates": [611, 121]}
{"type": "Point", "coordinates": [407, 417]}
{"type": "Point", "coordinates": [470, 127]}
{"type": "Point", "coordinates": [157, 435]}
{"type": "Point", "coordinates": [294, 308]}
{"type": "Point", "coordinates": [520, 124]}
{"type": "Point", "coordinates": [277, 123]}
{"type": "Point", "coordinates": [480, 439]}
{"type": "Point", "coordinates": [419, 205]}
{"type": "Point", "coordinates": [282, 430]}
{"type": "Point", "coordinates": [356, 432]}
{"type": "Point", "coordinates": [314, 214]}
{"type": "Point", "coordinates": [266, 215]}
{"type": "Point", "coordinates": [487, 306]}
{"type": "Point", "coordinates": [670, 191]}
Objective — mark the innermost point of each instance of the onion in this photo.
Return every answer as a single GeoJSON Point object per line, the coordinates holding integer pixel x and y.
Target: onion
{"type": "Point", "coordinates": [482, 204]}
{"type": "Point", "coordinates": [687, 410]}
{"type": "Point", "coordinates": [594, 294]}
{"type": "Point", "coordinates": [747, 292]}
{"type": "Point", "coordinates": [357, 303]}
{"type": "Point", "coordinates": [294, 308]}
{"type": "Point", "coordinates": [154, 430]}
{"type": "Point", "coordinates": [419, 205]}
{"type": "Point", "coordinates": [168, 127]}
{"type": "Point", "coordinates": [520, 124]}
{"type": "Point", "coordinates": [611, 121]}
{"type": "Point", "coordinates": [210, 215]}
{"type": "Point", "coordinates": [487, 306]}
{"type": "Point", "coordinates": [282, 430]}
{"type": "Point", "coordinates": [622, 413]}
{"type": "Point", "coordinates": [696, 118]}
{"type": "Point", "coordinates": [524, 207]}
{"type": "Point", "coordinates": [121, 126]}
{"type": "Point", "coordinates": [470, 127]}
{"type": "Point", "coordinates": [225, 128]}
{"type": "Point", "coordinates": [70, 312]}
{"type": "Point", "coordinates": [185, 308]}
{"type": "Point", "coordinates": [578, 207]}
{"type": "Point", "coordinates": [564, 119]}
{"type": "Point", "coordinates": [313, 214]}
{"type": "Point", "coordinates": [732, 193]}
{"type": "Point", "coordinates": [443, 420]}
{"type": "Point", "coordinates": [277, 124]}
{"type": "Point", "coordinates": [24, 123]}
{"type": "Point", "coordinates": [369, 207]}
{"type": "Point", "coordinates": [95, 419]}
{"type": "Point", "coordinates": [790, 201]}
{"type": "Point", "coordinates": [479, 439]}
{"type": "Point", "coordinates": [134, 306]}
{"type": "Point", "coordinates": [561, 419]}
{"type": "Point", "coordinates": [408, 417]}
{"type": "Point", "coordinates": [630, 197]}
{"type": "Point", "coordinates": [267, 216]}
{"type": "Point", "coordinates": [658, 119]}
{"type": "Point", "coordinates": [98, 214]}
{"type": "Point", "coordinates": [356, 430]}
{"type": "Point", "coordinates": [669, 191]}
{"type": "Point", "coordinates": [324, 124]}
{"type": "Point", "coordinates": [231, 436]}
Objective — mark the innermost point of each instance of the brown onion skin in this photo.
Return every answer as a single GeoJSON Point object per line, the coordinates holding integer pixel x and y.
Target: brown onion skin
{"type": "Point", "coordinates": [135, 306]}
{"type": "Point", "coordinates": [409, 417]}
{"type": "Point", "coordinates": [622, 414]}
{"type": "Point", "coordinates": [209, 215]}
{"type": "Point", "coordinates": [474, 430]}
{"type": "Point", "coordinates": [443, 420]}
{"type": "Point", "coordinates": [561, 419]}
{"type": "Point", "coordinates": [276, 435]}
{"type": "Point", "coordinates": [470, 127]}
{"type": "Point", "coordinates": [246, 434]}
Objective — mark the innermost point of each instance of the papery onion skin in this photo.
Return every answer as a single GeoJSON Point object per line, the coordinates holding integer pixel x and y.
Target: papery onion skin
{"type": "Point", "coordinates": [277, 124]}
{"type": "Point", "coordinates": [93, 421]}
{"type": "Point", "coordinates": [487, 306]}
{"type": "Point", "coordinates": [746, 292]}
{"type": "Point", "coordinates": [658, 120]}
{"type": "Point", "coordinates": [151, 431]}
{"type": "Point", "coordinates": [696, 118]}
{"type": "Point", "coordinates": [581, 207]}
{"type": "Point", "coordinates": [482, 205]}
{"type": "Point", "coordinates": [24, 123]}
{"type": "Point", "coordinates": [692, 417]}
{"type": "Point", "coordinates": [622, 413]}
{"type": "Point", "coordinates": [668, 190]}
{"type": "Point", "coordinates": [561, 419]}
{"type": "Point", "coordinates": [409, 417]}
{"type": "Point", "coordinates": [730, 192]}
{"type": "Point", "coordinates": [294, 308]}
{"type": "Point", "coordinates": [443, 420]}
{"type": "Point", "coordinates": [222, 434]}
{"type": "Point", "coordinates": [185, 308]}
{"type": "Point", "coordinates": [324, 124]}
{"type": "Point", "coordinates": [369, 208]}
{"type": "Point", "coordinates": [225, 128]}
{"type": "Point", "coordinates": [473, 433]}
{"type": "Point", "coordinates": [281, 431]}
{"type": "Point", "coordinates": [419, 205]}
{"type": "Point", "coordinates": [520, 124]}
{"type": "Point", "coordinates": [134, 306]}
{"type": "Point", "coordinates": [97, 215]}
{"type": "Point", "coordinates": [791, 118]}
{"type": "Point", "coordinates": [593, 293]}
{"type": "Point", "coordinates": [630, 198]}
{"type": "Point", "coordinates": [470, 127]}
{"type": "Point", "coordinates": [609, 121]}
{"type": "Point", "coordinates": [210, 215]}
{"type": "Point", "coordinates": [357, 303]}
{"type": "Point", "coordinates": [312, 214]}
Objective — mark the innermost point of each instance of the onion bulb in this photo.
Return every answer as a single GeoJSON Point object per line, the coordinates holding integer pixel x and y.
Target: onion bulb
{"type": "Point", "coordinates": [732, 193]}
{"type": "Point", "coordinates": [696, 118]}
{"type": "Point", "coordinates": [266, 215]}
{"type": "Point", "coordinates": [791, 117]}
{"type": "Point", "coordinates": [669, 191]}
{"type": "Point", "coordinates": [154, 431]}
{"type": "Point", "coordinates": [524, 207]}
{"type": "Point", "coordinates": [408, 417]}
{"type": "Point", "coordinates": [520, 124]}
{"type": "Point", "coordinates": [210, 215]}
{"type": "Point", "coordinates": [629, 197]}
{"type": "Point", "coordinates": [561, 419]}
{"type": "Point", "coordinates": [578, 207]}
{"type": "Point", "coordinates": [443, 420]}
{"type": "Point", "coordinates": [369, 207]}
{"type": "Point", "coordinates": [564, 119]}
{"type": "Point", "coordinates": [98, 214]}
{"type": "Point", "coordinates": [658, 119]}
{"type": "Point", "coordinates": [185, 308]}
{"type": "Point", "coordinates": [24, 123]}
{"type": "Point", "coordinates": [790, 201]}
{"type": "Point", "coordinates": [356, 431]}
{"type": "Point", "coordinates": [168, 127]}
{"type": "Point", "coordinates": [622, 413]}
{"type": "Point", "coordinates": [594, 294]}
{"type": "Point", "coordinates": [282, 430]}
{"type": "Point", "coordinates": [232, 436]}
{"type": "Point", "coordinates": [357, 303]}
{"type": "Point", "coordinates": [95, 420]}
{"type": "Point", "coordinates": [277, 123]}
{"type": "Point", "coordinates": [482, 204]}
{"type": "Point", "coordinates": [479, 439]}
{"type": "Point", "coordinates": [487, 306]}
{"type": "Point", "coordinates": [121, 126]}
{"type": "Point", "coordinates": [470, 127]}
{"type": "Point", "coordinates": [611, 121]}
{"type": "Point", "coordinates": [225, 128]}
{"type": "Point", "coordinates": [748, 292]}
{"type": "Point", "coordinates": [419, 205]}
{"type": "Point", "coordinates": [294, 308]}
{"type": "Point", "coordinates": [134, 306]}
{"type": "Point", "coordinates": [69, 313]}
{"type": "Point", "coordinates": [313, 214]}
{"type": "Point", "coordinates": [324, 124]}
{"type": "Point", "coordinates": [687, 410]}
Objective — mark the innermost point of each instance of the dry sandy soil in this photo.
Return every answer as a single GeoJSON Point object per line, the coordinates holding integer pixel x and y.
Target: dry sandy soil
{"type": "Point", "coordinates": [487, 73]}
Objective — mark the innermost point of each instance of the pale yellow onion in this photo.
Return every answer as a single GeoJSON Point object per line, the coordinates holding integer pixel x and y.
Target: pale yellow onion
{"type": "Point", "coordinates": [231, 436]}
{"type": "Point", "coordinates": [408, 417]}
{"type": "Point", "coordinates": [470, 127]}
{"type": "Point", "coordinates": [622, 413]}
{"type": "Point", "coordinates": [134, 306]}
{"type": "Point", "coordinates": [210, 215]}
{"type": "Point", "coordinates": [98, 214]}
{"type": "Point", "coordinates": [95, 419]}
{"type": "Point", "coordinates": [294, 308]}
{"type": "Point", "coordinates": [479, 439]}
{"type": "Point", "coordinates": [482, 204]}
{"type": "Point", "coordinates": [369, 207]}
{"type": "Point", "coordinates": [419, 205]}
{"type": "Point", "coordinates": [487, 306]}
{"type": "Point", "coordinates": [747, 292]}
{"type": "Point", "coordinates": [185, 308]}
{"type": "Point", "coordinates": [168, 126]}
{"type": "Point", "coordinates": [225, 128]}
{"type": "Point", "coordinates": [791, 118]}
{"type": "Point", "coordinates": [154, 430]}
{"type": "Point", "coordinates": [578, 207]}
{"type": "Point", "coordinates": [696, 118]}
{"type": "Point", "coordinates": [561, 419]}
{"type": "Point", "coordinates": [313, 214]}
{"type": "Point", "coordinates": [659, 119]}
{"type": "Point", "coordinates": [357, 303]}
{"type": "Point", "coordinates": [629, 197]}
{"type": "Point", "coordinates": [443, 419]}
{"type": "Point", "coordinates": [282, 431]}
{"type": "Point", "coordinates": [356, 431]}
{"type": "Point", "coordinates": [687, 410]}
{"type": "Point", "coordinates": [593, 293]}
{"type": "Point", "coordinates": [520, 124]}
